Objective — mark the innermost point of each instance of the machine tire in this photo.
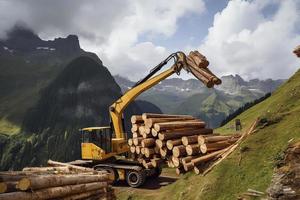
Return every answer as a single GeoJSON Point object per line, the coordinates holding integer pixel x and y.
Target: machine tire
{"type": "Point", "coordinates": [135, 178]}
{"type": "Point", "coordinates": [110, 170]}
{"type": "Point", "coordinates": [157, 172]}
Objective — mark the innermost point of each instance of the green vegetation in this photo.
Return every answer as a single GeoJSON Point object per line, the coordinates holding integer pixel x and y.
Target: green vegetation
{"type": "Point", "coordinates": [279, 123]}
{"type": "Point", "coordinates": [8, 128]}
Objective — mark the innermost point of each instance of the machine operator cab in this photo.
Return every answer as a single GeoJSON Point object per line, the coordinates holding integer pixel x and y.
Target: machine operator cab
{"type": "Point", "coordinates": [96, 143]}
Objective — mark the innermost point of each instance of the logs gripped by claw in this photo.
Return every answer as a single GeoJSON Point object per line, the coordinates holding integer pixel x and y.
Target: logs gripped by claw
{"type": "Point", "coordinates": [180, 141]}
{"type": "Point", "coordinates": [60, 181]}
{"type": "Point", "coordinates": [198, 66]}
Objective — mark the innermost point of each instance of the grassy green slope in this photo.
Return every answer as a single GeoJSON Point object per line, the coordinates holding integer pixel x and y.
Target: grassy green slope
{"type": "Point", "coordinates": [260, 151]}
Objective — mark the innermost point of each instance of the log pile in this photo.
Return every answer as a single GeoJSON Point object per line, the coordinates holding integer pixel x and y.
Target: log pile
{"type": "Point", "coordinates": [181, 141]}
{"type": "Point", "coordinates": [62, 181]}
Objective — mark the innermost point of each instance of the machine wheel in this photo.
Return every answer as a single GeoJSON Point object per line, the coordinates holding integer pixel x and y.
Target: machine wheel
{"type": "Point", "coordinates": [135, 178]}
{"type": "Point", "coordinates": [157, 172]}
{"type": "Point", "coordinates": [113, 173]}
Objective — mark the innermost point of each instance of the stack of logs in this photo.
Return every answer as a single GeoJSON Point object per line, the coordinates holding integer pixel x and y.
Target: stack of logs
{"type": "Point", "coordinates": [63, 181]}
{"type": "Point", "coordinates": [181, 141]}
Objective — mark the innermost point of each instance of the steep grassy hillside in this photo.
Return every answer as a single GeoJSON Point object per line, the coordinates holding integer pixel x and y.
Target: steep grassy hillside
{"type": "Point", "coordinates": [259, 153]}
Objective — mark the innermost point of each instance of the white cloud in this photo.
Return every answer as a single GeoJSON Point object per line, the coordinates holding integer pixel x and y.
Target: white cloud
{"type": "Point", "coordinates": [109, 28]}
{"type": "Point", "coordinates": [244, 41]}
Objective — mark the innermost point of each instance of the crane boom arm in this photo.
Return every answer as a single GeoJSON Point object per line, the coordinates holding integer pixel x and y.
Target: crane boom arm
{"type": "Point", "coordinates": [194, 63]}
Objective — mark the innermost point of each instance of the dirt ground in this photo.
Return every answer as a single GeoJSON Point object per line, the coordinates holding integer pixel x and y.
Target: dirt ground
{"type": "Point", "coordinates": [167, 177]}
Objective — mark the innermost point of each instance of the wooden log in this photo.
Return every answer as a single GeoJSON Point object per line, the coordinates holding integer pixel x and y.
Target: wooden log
{"type": "Point", "coordinates": [175, 125]}
{"type": "Point", "coordinates": [199, 59]}
{"type": "Point", "coordinates": [170, 163]}
{"type": "Point", "coordinates": [197, 170]}
{"type": "Point", "coordinates": [176, 161]}
{"type": "Point", "coordinates": [171, 143]}
{"type": "Point", "coordinates": [145, 136]}
{"type": "Point", "coordinates": [208, 157]}
{"type": "Point", "coordinates": [179, 151]}
{"type": "Point", "coordinates": [180, 134]}
{"type": "Point", "coordinates": [151, 121]}
{"type": "Point", "coordinates": [142, 129]}
{"type": "Point", "coordinates": [147, 130]}
{"type": "Point", "coordinates": [149, 152]}
{"type": "Point", "coordinates": [146, 116]}
{"type": "Point", "coordinates": [130, 142]}
{"type": "Point", "coordinates": [85, 195]}
{"type": "Point", "coordinates": [137, 141]}
{"type": "Point", "coordinates": [148, 165]}
{"type": "Point", "coordinates": [132, 149]}
{"type": "Point", "coordinates": [136, 119]}
{"type": "Point", "coordinates": [210, 139]}
{"type": "Point", "coordinates": [156, 150]}
{"type": "Point", "coordinates": [193, 149]}
{"type": "Point", "coordinates": [163, 152]}
{"type": "Point", "coordinates": [74, 167]}
{"type": "Point", "coordinates": [53, 192]}
{"type": "Point", "coordinates": [64, 169]}
{"type": "Point", "coordinates": [186, 140]}
{"type": "Point", "coordinates": [134, 128]}
{"type": "Point", "coordinates": [188, 166]}
{"type": "Point", "coordinates": [160, 143]}
{"type": "Point", "coordinates": [136, 134]}
{"type": "Point", "coordinates": [143, 150]}
{"type": "Point", "coordinates": [156, 162]}
{"type": "Point", "coordinates": [209, 147]}
{"type": "Point", "coordinates": [8, 186]}
{"type": "Point", "coordinates": [179, 170]}
{"type": "Point", "coordinates": [188, 159]}
{"type": "Point", "coordinates": [148, 142]}
{"type": "Point", "coordinates": [47, 181]}
{"type": "Point", "coordinates": [138, 149]}
{"type": "Point", "coordinates": [154, 132]}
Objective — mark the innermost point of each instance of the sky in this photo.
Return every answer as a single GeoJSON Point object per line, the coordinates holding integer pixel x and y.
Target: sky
{"type": "Point", "coordinates": [253, 38]}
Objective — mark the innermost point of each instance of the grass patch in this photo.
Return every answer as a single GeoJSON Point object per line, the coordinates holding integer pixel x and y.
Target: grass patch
{"type": "Point", "coordinates": [8, 128]}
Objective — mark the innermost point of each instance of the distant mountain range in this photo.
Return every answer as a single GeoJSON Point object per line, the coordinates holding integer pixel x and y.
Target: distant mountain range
{"type": "Point", "coordinates": [176, 95]}
{"type": "Point", "coordinates": [50, 89]}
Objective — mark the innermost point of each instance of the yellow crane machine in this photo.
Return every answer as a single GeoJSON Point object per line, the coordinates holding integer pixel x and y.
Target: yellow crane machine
{"type": "Point", "coordinates": [101, 145]}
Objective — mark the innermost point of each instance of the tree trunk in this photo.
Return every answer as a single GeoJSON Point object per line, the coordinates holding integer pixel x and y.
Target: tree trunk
{"type": "Point", "coordinates": [130, 142]}
{"type": "Point", "coordinates": [149, 152]}
{"type": "Point", "coordinates": [193, 149]}
{"type": "Point", "coordinates": [163, 152]}
{"type": "Point", "coordinates": [85, 195]}
{"type": "Point", "coordinates": [154, 132]}
{"type": "Point", "coordinates": [47, 181]}
{"type": "Point", "coordinates": [8, 186]}
{"type": "Point", "coordinates": [186, 140]}
{"type": "Point", "coordinates": [180, 134]}
{"type": "Point", "coordinates": [208, 157]}
{"type": "Point", "coordinates": [188, 166]}
{"type": "Point", "coordinates": [180, 170]}
{"type": "Point", "coordinates": [176, 161]}
{"type": "Point", "coordinates": [212, 139]}
{"type": "Point", "coordinates": [179, 151]}
{"type": "Point", "coordinates": [82, 169]}
{"type": "Point", "coordinates": [54, 192]}
{"type": "Point", "coordinates": [171, 143]}
{"type": "Point", "coordinates": [209, 147]}
{"type": "Point", "coordinates": [137, 141]}
{"type": "Point", "coordinates": [149, 142]}
{"type": "Point", "coordinates": [132, 149]}
{"type": "Point", "coordinates": [160, 143]}
{"type": "Point", "coordinates": [151, 121]}
{"type": "Point", "coordinates": [136, 119]}
{"type": "Point", "coordinates": [146, 116]}
{"type": "Point", "coordinates": [177, 125]}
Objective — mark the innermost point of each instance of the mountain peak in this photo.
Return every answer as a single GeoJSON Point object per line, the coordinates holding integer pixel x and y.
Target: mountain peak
{"type": "Point", "coordinates": [22, 32]}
